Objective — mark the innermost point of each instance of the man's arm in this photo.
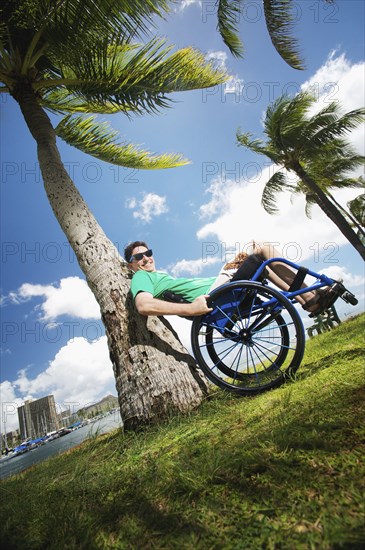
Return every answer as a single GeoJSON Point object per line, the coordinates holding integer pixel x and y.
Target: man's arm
{"type": "Point", "coordinates": [146, 304]}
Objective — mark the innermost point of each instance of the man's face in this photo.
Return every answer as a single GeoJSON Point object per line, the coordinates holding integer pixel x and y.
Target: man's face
{"type": "Point", "coordinates": [145, 263]}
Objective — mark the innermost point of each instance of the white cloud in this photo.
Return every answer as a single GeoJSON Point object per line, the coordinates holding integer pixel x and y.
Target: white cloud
{"type": "Point", "coordinates": [149, 207]}
{"type": "Point", "coordinates": [80, 374]}
{"type": "Point", "coordinates": [9, 404]}
{"type": "Point", "coordinates": [219, 191]}
{"type": "Point", "coordinates": [339, 80]}
{"type": "Point", "coordinates": [131, 203]}
{"type": "Point", "coordinates": [338, 272]}
{"type": "Point", "coordinates": [219, 58]}
{"type": "Point", "coordinates": [187, 3]}
{"type": "Point", "coordinates": [73, 297]}
{"type": "Point", "coordinates": [243, 219]}
{"type": "Point", "coordinates": [191, 268]}
{"type": "Point", "coordinates": [234, 85]}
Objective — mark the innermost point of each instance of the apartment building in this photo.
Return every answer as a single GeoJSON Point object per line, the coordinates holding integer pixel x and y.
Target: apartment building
{"type": "Point", "coordinates": [38, 417]}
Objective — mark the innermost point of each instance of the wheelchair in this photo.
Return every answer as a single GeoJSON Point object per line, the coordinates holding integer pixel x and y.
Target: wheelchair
{"type": "Point", "coordinates": [254, 339]}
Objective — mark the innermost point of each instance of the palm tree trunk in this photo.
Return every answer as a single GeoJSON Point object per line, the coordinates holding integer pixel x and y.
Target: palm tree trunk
{"type": "Point", "coordinates": [155, 376]}
{"type": "Point", "coordinates": [329, 208]}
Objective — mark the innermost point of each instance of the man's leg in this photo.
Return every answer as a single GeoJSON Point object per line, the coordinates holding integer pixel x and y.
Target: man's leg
{"type": "Point", "coordinates": [281, 275]}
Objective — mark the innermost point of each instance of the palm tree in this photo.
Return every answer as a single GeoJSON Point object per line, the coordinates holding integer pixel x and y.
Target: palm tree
{"type": "Point", "coordinates": [314, 149]}
{"type": "Point", "coordinates": [80, 56]}
{"type": "Point", "coordinates": [330, 170]}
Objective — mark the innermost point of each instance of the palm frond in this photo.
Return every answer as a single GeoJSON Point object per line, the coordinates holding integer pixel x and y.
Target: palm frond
{"type": "Point", "coordinates": [60, 100]}
{"type": "Point", "coordinates": [310, 126]}
{"type": "Point", "coordinates": [99, 140]}
{"type": "Point", "coordinates": [228, 14]}
{"type": "Point", "coordinates": [279, 20]}
{"type": "Point", "coordinates": [310, 200]}
{"type": "Point", "coordinates": [247, 140]}
{"type": "Point", "coordinates": [284, 118]}
{"type": "Point", "coordinates": [357, 209]}
{"type": "Point", "coordinates": [256, 145]}
{"type": "Point", "coordinates": [335, 160]}
{"type": "Point", "coordinates": [34, 27]}
{"type": "Point", "coordinates": [345, 183]}
{"type": "Point", "coordinates": [61, 20]}
{"type": "Point", "coordinates": [335, 166]}
{"type": "Point", "coordinates": [301, 189]}
{"type": "Point", "coordinates": [137, 80]}
{"type": "Point", "coordinates": [277, 183]}
{"type": "Point", "coordinates": [338, 127]}
{"type": "Point", "coordinates": [292, 120]}
{"type": "Point", "coordinates": [273, 121]}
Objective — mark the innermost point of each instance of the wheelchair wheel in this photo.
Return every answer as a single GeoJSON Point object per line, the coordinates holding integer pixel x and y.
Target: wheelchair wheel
{"type": "Point", "coordinates": [252, 340]}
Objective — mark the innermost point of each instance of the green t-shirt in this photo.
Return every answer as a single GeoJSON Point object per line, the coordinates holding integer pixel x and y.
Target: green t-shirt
{"type": "Point", "coordinates": [156, 282]}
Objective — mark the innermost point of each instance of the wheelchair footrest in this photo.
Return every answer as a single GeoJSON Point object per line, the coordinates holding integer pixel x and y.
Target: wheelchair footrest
{"type": "Point", "coordinates": [345, 294]}
{"type": "Point", "coordinates": [337, 290]}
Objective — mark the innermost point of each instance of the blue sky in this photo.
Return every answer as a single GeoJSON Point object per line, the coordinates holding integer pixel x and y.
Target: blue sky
{"type": "Point", "coordinates": [193, 217]}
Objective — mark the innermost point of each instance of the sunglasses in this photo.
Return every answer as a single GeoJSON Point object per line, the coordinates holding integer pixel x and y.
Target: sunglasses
{"type": "Point", "coordinates": [139, 256]}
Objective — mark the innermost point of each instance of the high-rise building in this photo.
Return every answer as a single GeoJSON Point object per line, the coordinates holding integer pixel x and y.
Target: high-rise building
{"type": "Point", "coordinates": [38, 417]}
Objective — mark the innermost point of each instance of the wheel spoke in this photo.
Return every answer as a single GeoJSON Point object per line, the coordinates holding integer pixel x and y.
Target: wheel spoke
{"type": "Point", "coordinates": [264, 349]}
{"type": "Point", "coordinates": [281, 345]}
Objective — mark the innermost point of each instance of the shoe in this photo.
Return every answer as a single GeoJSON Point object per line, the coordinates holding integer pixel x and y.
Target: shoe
{"type": "Point", "coordinates": [323, 299]}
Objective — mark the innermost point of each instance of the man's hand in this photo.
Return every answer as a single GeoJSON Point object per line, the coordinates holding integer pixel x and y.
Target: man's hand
{"type": "Point", "coordinates": [200, 306]}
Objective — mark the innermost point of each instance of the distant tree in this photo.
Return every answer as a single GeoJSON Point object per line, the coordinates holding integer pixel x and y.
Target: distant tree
{"type": "Point", "coordinates": [313, 148]}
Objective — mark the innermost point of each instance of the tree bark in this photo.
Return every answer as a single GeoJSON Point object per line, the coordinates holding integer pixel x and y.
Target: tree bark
{"type": "Point", "coordinates": [329, 208]}
{"type": "Point", "coordinates": [155, 376]}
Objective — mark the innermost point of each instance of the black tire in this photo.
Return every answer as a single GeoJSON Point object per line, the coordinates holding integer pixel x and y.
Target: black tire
{"type": "Point", "coordinates": [252, 340]}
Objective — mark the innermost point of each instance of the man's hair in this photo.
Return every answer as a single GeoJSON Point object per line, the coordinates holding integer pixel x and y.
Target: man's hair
{"type": "Point", "coordinates": [129, 248]}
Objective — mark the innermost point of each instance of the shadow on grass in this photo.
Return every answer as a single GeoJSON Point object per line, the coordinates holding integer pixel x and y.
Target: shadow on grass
{"type": "Point", "coordinates": [325, 362]}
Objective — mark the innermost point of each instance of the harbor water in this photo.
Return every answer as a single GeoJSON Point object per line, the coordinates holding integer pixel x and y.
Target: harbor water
{"type": "Point", "coordinates": [16, 464]}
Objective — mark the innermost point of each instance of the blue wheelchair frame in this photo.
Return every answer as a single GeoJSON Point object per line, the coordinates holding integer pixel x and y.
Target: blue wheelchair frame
{"type": "Point", "coordinates": [254, 338]}
{"type": "Point", "coordinates": [322, 280]}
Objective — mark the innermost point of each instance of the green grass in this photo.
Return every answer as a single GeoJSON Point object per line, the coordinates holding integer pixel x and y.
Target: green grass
{"type": "Point", "coordinates": [282, 470]}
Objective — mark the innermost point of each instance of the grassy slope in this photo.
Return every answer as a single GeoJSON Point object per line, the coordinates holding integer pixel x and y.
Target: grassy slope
{"type": "Point", "coordinates": [283, 470]}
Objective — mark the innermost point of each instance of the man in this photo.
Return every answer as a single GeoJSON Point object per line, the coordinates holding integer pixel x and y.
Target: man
{"type": "Point", "coordinates": [148, 284]}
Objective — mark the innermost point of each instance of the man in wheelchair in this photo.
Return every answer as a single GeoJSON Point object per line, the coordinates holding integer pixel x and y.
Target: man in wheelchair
{"type": "Point", "coordinates": [158, 293]}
